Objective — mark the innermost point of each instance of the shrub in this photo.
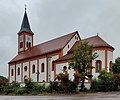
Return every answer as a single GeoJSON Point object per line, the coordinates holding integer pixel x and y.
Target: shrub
{"type": "Point", "coordinates": [53, 87]}
{"type": "Point", "coordinates": [29, 85]}
{"type": "Point", "coordinates": [21, 90]}
{"type": "Point", "coordinates": [117, 76]}
{"type": "Point", "coordinates": [38, 88]}
{"type": "Point", "coordinates": [105, 82]}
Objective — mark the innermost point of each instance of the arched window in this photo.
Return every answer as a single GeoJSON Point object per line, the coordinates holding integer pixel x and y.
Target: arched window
{"type": "Point", "coordinates": [18, 71]}
{"type": "Point", "coordinates": [68, 46]}
{"type": "Point", "coordinates": [25, 68]}
{"type": "Point", "coordinates": [98, 66]}
{"type": "Point", "coordinates": [65, 71]}
{"type": "Point", "coordinates": [110, 66]}
{"type": "Point", "coordinates": [42, 67]}
{"type": "Point", "coordinates": [21, 44]}
{"type": "Point", "coordinates": [33, 68]}
{"type": "Point", "coordinates": [29, 44]}
{"type": "Point", "coordinates": [25, 78]}
{"type": "Point", "coordinates": [75, 37]}
{"type": "Point", "coordinates": [12, 72]}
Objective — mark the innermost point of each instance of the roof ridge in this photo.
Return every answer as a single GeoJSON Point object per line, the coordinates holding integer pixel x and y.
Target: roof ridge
{"type": "Point", "coordinates": [55, 38]}
{"type": "Point", "coordinates": [90, 37]}
{"type": "Point", "coordinates": [98, 37]}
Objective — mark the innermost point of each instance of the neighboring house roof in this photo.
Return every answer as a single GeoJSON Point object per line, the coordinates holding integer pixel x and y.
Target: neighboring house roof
{"type": "Point", "coordinates": [96, 41]}
{"type": "Point", "coordinates": [44, 48]}
{"type": "Point", "coordinates": [25, 27]}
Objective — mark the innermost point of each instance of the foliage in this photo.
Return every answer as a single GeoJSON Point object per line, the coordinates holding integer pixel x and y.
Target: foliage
{"type": "Point", "coordinates": [53, 87]}
{"type": "Point", "coordinates": [116, 66]}
{"type": "Point", "coordinates": [10, 88]}
{"type": "Point", "coordinates": [33, 88]}
{"type": "Point", "coordinates": [29, 85]}
{"type": "Point", "coordinates": [117, 77]}
{"type": "Point", "coordinates": [64, 85]}
{"type": "Point", "coordinates": [21, 90]}
{"type": "Point", "coordinates": [105, 82]}
{"type": "Point", "coordinates": [81, 61]}
{"type": "Point", "coordinates": [3, 80]}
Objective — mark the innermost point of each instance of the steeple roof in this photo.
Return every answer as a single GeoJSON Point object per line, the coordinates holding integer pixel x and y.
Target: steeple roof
{"type": "Point", "coordinates": [25, 27]}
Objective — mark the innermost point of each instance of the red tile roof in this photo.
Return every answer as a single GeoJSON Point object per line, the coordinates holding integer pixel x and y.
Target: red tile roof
{"type": "Point", "coordinates": [66, 57]}
{"type": "Point", "coordinates": [44, 48]}
{"type": "Point", "coordinates": [96, 41]}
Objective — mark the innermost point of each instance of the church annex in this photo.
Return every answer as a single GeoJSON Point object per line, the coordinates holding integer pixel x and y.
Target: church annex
{"type": "Point", "coordinates": [44, 61]}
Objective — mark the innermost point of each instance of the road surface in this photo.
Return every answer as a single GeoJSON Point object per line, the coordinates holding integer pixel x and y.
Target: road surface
{"type": "Point", "coordinates": [93, 96]}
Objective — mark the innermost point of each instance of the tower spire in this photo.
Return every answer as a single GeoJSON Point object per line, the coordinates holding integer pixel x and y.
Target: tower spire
{"type": "Point", "coordinates": [25, 27]}
{"type": "Point", "coordinates": [25, 7]}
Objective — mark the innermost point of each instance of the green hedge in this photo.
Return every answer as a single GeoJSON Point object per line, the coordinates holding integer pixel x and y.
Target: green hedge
{"type": "Point", "coordinates": [106, 82]}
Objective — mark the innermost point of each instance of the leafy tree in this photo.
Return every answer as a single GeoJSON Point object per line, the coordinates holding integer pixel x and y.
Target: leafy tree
{"type": "Point", "coordinates": [116, 66]}
{"type": "Point", "coordinates": [81, 61]}
{"type": "Point", "coordinates": [3, 80]}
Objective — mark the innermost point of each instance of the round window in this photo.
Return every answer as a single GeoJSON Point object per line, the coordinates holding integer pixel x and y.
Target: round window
{"type": "Point", "coordinates": [25, 68]}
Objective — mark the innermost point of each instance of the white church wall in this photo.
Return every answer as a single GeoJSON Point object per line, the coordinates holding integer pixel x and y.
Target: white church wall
{"type": "Point", "coordinates": [101, 57]}
{"type": "Point", "coordinates": [110, 58]}
{"type": "Point", "coordinates": [12, 78]}
{"type": "Point", "coordinates": [18, 77]}
{"type": "Point", "coordinates": [70, 44]}
{"type": "Point", "coordinates": [59, 69]}
{"type": "Point", "coordinates": [33, 76]}
{"type": "Point", "coordinates": [53, 58]}
{"type": "Point", "coordinates": [42, 74]}
{"type": "Point", "coordinates": [25, 73]}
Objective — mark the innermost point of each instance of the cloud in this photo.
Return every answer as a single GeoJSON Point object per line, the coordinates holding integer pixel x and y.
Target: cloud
{"type": "Point", "coordinates": [53, 18]}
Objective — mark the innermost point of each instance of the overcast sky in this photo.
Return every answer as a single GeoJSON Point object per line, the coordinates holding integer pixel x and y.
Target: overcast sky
{"type": "Point", "coordinates": [52, 18]}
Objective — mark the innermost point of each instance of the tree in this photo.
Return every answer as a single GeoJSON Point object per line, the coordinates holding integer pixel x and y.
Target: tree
{"type": "Point", "coordinates": [3, 80]}
{"type": "Point", "coordinates": [116, 66]}
{"type": "Point", "coordinates": [116, 70]}
{"type": "Point", "coordinates": [81, 61]}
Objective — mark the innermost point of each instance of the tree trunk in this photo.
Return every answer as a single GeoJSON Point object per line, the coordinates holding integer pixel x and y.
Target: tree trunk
{"type": "Point", "coordinates": [82, 85]}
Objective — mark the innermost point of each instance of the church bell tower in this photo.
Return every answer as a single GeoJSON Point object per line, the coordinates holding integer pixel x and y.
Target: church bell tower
{"type": "Point", "coordinates": [25, 35]}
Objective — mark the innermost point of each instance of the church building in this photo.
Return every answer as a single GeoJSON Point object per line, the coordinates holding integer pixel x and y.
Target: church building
{"type": "Point", "coordinates": [44, 61]}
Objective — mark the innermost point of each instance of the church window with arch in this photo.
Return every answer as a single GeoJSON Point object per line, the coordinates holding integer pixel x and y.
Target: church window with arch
{"type": "Point", "coordinates": [98, 66]}
{"type": "Point", "coordinates": [12, 72]}
{"type": "Point", "coordinates": [25, 68]}
{"type": "Point", "coordinates": [42, 67]}
{"type": "Point", "coordinates": [18, 71]}
{"type": "Point", "coordinates": [110, 64]}
{"type": "Point", "coordinates": [21, 44]}
{"type": "Point", "coordinates": [33, 68]}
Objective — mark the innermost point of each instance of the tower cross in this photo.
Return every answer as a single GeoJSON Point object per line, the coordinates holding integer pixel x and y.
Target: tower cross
{"type": "Point", "coordinates": [25, 6]}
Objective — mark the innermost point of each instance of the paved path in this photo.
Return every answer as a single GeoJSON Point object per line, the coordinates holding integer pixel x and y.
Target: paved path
{"type": "Point", "coordinates": [96, 96]}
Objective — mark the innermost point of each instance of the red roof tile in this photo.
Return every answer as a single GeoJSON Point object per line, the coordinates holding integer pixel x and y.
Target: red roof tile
{"type": "Point", "coordinates": [44, 48]}
{"type": "Point", "coordinates": [96, 41]}
{"type": "Point", "coordinates": [66, 57]}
